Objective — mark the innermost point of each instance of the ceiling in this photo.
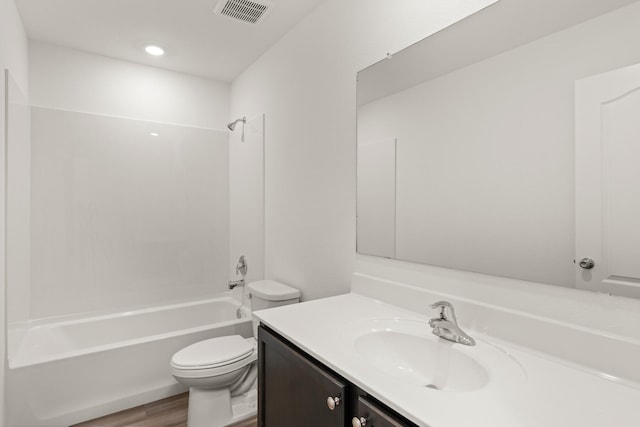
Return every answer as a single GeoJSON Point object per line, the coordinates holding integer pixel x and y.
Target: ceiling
{"type": "Point", "coordinates": [196, 40]}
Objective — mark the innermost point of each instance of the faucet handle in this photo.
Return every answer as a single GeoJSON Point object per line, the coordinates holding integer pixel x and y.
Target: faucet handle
{"type": "Point", "coordinates": [441, 304]}
{"type": "Point", "coordinates": [241, 267]}
{"type": "Point", "coordinates": [445, 306]}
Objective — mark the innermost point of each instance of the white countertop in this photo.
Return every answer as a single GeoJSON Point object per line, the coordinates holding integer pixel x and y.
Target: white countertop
{"type": "Point", "coordinates": [548, 392]}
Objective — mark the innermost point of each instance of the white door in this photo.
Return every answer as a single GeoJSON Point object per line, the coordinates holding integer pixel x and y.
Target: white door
{"type": "Point", "coordinates": [608, 182]}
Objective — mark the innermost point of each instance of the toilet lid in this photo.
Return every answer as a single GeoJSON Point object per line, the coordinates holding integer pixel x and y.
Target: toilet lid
{"type": "Point", "coordinates": [213, 352]}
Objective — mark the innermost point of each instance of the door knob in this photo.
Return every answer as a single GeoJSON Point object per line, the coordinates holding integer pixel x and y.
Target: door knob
{"type": "Point", "coordinates": [586, 263]}
{"type": "Point", "coordinates": [358, 422]}
{"type": "Point", "coordinates": [332, 402]}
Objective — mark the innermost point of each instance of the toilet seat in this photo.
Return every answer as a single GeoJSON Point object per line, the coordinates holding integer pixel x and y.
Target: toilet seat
{"type": "Point", "coordinates": [215, 356]}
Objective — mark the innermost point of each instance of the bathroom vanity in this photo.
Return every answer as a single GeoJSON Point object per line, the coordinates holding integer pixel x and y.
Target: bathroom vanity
{"type": "Point", "coordinates": [350, 359]}
{"type": "Point", "coordinates": [294, 386]}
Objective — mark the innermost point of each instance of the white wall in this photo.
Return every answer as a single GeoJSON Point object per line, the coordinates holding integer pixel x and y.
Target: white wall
{"type": "Point", "coordinates": [494, 192]}
{"type": "Point", "coordinates": [305, 85]}
{"type": "Point", "coordinates": [14, 45]}
{"type": "Point", "coordinates": [13, 56]}
{"type": "Point", "coordinates": [246, 198]}
{"type": "Point", "coordinates": [69, 79]}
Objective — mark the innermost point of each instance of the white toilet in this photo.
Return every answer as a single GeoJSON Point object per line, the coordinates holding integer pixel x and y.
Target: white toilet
{"type": "Point", "coordinates": [217, 369]}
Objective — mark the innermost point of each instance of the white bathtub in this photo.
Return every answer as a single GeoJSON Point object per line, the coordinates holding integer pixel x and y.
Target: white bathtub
{"type": "Point", "coordinates": [69, 371]}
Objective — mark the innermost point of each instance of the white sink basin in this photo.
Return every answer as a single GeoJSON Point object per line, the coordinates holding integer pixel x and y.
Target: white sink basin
{"type": "Point", "coordinates": [407, 351]}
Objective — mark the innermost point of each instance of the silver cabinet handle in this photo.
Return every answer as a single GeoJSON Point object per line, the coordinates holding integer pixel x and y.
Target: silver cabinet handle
{"type": "Point", "coordinates": [586, 263]}
{"type": "Point", "coordinates": [358, 422]}
{"type": "Point", "coordinates": [332, 402]}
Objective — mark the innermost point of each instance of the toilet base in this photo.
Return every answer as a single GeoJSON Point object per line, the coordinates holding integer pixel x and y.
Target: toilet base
{"type": "Point", "coordinates": [216, 408]}
{"type": "Point", "coordinates": [244, 406]}
{"type": "Point", "coordinates": [209, 408]}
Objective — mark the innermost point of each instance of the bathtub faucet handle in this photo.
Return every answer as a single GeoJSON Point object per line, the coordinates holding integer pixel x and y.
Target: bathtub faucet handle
{"type": "Point", "coordinates": [241, 266]}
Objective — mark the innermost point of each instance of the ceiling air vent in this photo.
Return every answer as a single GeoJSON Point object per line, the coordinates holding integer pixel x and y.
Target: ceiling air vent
{"type": "Point", "coordinates": [247, 11]}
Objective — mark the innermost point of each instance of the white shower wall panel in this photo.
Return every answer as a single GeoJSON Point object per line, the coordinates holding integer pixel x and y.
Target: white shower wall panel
{"type": "Point", "coordinates": [18, 151]}
{"type": "Point", "coordinates": [121, 217]}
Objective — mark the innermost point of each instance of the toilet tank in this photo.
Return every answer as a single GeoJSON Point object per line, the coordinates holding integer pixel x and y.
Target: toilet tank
{"type": "Point", "coordinates": [268, 294]}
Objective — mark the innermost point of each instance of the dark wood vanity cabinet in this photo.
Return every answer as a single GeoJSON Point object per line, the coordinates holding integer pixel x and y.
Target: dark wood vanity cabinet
{"type": "Point", "coordinates": [295, 390]}
{"type": "Point", "coordinates": [370, 414]}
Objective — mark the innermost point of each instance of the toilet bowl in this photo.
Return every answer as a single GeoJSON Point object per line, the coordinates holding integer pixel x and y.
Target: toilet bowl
{"type": "Point", "coordinates": [217, 369]}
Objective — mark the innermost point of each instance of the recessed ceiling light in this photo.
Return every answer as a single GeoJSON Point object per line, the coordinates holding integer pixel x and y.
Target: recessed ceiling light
{"type": "Point", "coordinates": [154, 134]}
{"type": "Point", "coordinates": [154, 50]}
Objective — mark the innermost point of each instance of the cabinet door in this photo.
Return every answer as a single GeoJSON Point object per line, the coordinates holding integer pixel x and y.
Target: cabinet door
{"type": "Point", "coordinates": [292, 391]}
{"type": "Point", "coordinates": [369, 414]}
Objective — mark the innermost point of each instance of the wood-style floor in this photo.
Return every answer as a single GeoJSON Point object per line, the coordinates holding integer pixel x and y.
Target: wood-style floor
{"type": "Point", "coordinates": [169, 412]}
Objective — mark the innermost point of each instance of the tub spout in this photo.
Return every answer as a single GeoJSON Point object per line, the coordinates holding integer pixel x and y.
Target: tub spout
{"type": "Point", "coordinates": [234, 283]}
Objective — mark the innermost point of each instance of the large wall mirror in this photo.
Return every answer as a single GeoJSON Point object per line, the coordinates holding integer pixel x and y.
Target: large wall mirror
{"type": "Point", "coordinates": [478, 147]}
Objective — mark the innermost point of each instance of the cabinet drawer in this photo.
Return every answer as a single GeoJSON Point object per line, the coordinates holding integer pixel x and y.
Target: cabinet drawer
{"type": "Point", "coordinates": [374, 416]}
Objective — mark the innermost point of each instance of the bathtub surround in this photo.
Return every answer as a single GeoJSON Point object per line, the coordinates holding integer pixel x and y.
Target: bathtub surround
{"type": "Point", "coordinates": [122, 154]}
{"type": "Point", "coordinates": [68, 80]}
{"type": "Point", "coordinates": [125, 213]}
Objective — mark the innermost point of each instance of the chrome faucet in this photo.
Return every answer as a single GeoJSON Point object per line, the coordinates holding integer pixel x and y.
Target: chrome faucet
{"type": "Point", "coordinates": [446, 326]}
{"type": "Point", "coordinates": [241, 268]}
{"type": "Point", "coordinates": [234, 283]}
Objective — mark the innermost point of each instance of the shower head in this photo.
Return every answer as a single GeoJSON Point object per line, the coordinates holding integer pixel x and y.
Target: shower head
{"type": "Point", "coordinates": [233, 124]}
